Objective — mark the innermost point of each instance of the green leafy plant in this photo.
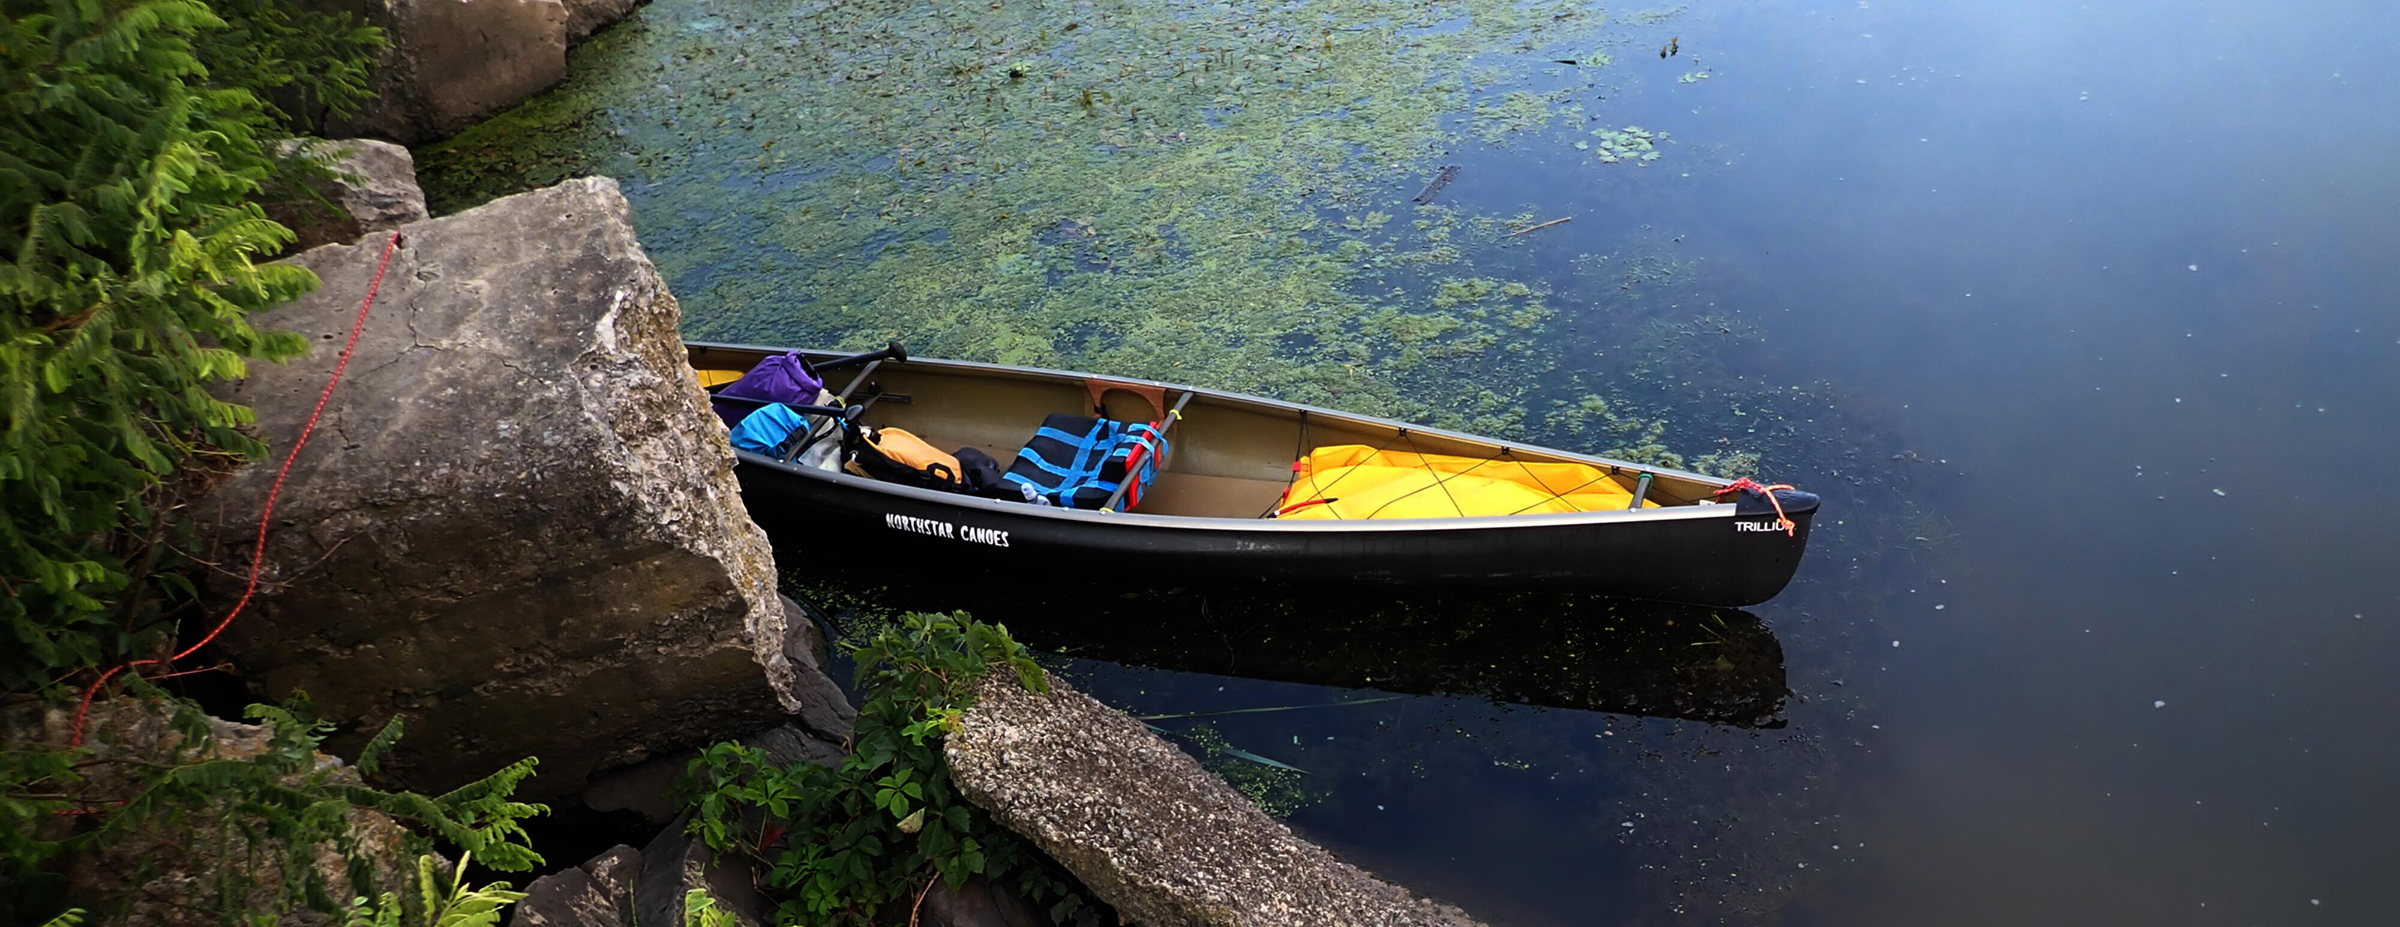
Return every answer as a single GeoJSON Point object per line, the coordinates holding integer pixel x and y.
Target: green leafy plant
{"type": "Point", "coordinates": [126, 275]}
{"type": "Point", "coordinates": [840, 845]}
{"type": "Point", "coordinates": [700, 910]}
{"type": "Point", "coordinates": [70, 917]}
{"type": "Point", "coordinates": [299, 62]}
{"type": "Point", "coordinates": [439, 901]}
{"type": "Point", "coordinates": [284, 799]}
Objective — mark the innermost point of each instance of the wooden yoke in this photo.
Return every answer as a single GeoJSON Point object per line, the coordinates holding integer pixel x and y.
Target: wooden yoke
{"type": "Point", "coordinates": [1157, 395]}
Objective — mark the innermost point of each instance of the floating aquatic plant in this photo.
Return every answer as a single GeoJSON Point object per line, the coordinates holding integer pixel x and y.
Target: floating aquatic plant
{"type": "Point", "coordinates": [1631, 143]}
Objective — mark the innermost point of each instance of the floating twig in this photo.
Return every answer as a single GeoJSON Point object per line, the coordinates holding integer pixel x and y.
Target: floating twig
{"type": "Point", "coordinates": [1228, 750]}
{"type": "Point", "coordinates": [1439, 181]}
{"type": "Point", "coordinates": [1537, 228]}
{"type": "Point", "coordinates": [1248, 711]}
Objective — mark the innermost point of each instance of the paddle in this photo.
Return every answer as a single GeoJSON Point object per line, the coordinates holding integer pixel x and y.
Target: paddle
{"type": "Point", "coordinates": [892, 351]}
{"type": "Point", "coordinates": [837, 412]}
{"type": "Point", "coordinates": [1172, 416]}
{"type": "Point", "coordinates": [843, 414]}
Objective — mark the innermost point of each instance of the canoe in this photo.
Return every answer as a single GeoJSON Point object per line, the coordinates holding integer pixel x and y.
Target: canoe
{"type": "Point", "coordinates": [1701, 541]}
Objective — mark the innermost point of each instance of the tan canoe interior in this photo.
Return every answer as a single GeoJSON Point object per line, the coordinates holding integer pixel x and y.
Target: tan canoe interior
{"type": "Point", "coordinates": [1228, 458]}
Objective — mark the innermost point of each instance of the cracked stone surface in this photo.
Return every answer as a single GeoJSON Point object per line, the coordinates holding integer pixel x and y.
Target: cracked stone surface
{"type": "Point", "coordinates": [517, 523]}
{"type": "Point", "coordinates": [1141, 824]}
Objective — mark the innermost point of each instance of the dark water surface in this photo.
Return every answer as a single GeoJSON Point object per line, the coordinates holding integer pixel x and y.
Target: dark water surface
{"type": "Point", "coordinates": [2081, 316]}
{"type": "Point", "coordinates": [2161, 688]}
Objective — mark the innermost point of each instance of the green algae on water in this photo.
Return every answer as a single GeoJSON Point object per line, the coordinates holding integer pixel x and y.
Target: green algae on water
{"type": "Point", "coordinates": [1517, 113]}
{"type": "Point", "coordinates": [1177, 190]}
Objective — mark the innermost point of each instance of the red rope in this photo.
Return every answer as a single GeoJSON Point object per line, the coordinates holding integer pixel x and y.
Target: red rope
{"type": "Point", "coordinates": [1297, 506]}
{"type": "Point", "coordinates": [1790, 527]}
{"type": "Point", "coordinates": [258, 552]}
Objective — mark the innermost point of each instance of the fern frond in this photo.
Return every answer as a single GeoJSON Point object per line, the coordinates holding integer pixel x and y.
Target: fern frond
{"type": "Point", "coordinates": [67, 918]}
{"type": "Point", "coordinates": [370, 757]}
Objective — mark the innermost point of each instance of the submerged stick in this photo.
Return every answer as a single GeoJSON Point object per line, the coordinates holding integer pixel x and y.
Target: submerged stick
{"type": "Point", "coordinates": [1439, 181]}
{"type": "Point", "coordinates": [1537, 228]}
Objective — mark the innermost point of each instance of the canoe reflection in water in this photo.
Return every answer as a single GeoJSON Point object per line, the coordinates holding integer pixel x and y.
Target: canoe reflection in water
{"type": "Point", "coordinates": [1588, 653]}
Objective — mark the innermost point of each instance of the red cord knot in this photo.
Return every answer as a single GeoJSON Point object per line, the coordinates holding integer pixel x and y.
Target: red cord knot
{"type": "Point", "coordinates": [1790, 528]}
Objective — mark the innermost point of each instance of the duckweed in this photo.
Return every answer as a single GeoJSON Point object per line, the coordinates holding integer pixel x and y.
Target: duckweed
{"type": "Point", "coordinates": [1179, 190]}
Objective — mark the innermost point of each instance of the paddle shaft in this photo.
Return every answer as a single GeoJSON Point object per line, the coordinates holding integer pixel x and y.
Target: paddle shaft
{"type": "Point", "coordinates": [892, 351]}
{"type": "Point", "coordinates": [763, 403]}
{"type": "Point", "coordinates": [1173, 415]}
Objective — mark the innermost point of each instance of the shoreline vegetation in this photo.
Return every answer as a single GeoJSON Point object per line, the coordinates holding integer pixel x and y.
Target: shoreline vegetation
{"type": "Point", "coordinates": [141, 154]}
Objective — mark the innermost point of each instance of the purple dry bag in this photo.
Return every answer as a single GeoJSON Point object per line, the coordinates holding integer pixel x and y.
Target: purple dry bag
{"type": "Point", "coordinates": [785, 379]}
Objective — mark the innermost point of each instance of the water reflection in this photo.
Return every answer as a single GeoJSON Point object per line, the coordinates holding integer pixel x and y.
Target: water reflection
{"type": "Point", "coordinates": [1587, 653]}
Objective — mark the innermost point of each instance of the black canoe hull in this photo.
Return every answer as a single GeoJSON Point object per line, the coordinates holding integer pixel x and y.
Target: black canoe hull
{"type": "Point", "coordinates": [1719, 555]}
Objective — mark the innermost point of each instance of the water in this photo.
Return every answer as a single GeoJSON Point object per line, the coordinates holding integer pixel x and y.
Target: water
{"type": "Point", "coordinates": [1935, 261]}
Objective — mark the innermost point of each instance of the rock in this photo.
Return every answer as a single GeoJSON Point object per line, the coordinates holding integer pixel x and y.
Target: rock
{"type": "Point", "coordinates": [377, 191]}
{"type": "Point", "coordinates": [975, 904]}
{"type": "Point", "coordinates": [517, 523]}
{"type": "Point", "coordinates": [819, 734]}
{"type": "Point", "coordinates": [674, 864]}
{"type": "Point", "coordinates": [791, 744]}
{"type": "Point", "coordinates": [597, 894]}
{"type": "Point", "coordinates": [826, 714]}
{"type": "Point", "coordinates": [452, 62]}
{"type": "Point", "coordinates": [648, 788]}
{"type": "Point", "coordinates": [1146, 828]}
{"type": "Point", "coordinates": [167, 871]}
{"type": "Point", "coordinates": [585, 17]}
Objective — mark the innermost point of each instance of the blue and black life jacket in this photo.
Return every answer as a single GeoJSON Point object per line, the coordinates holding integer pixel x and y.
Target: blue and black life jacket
{"type": "Point", "coordinates": [1078, 461]}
